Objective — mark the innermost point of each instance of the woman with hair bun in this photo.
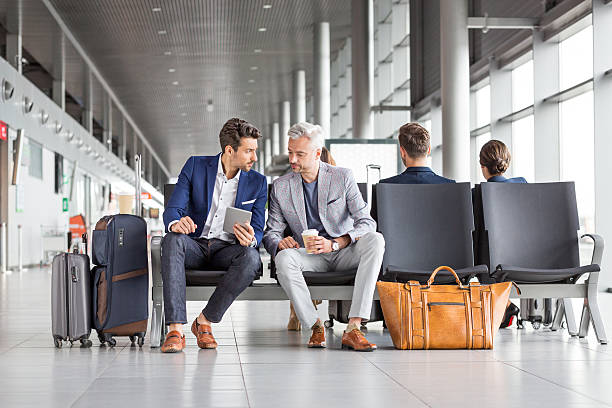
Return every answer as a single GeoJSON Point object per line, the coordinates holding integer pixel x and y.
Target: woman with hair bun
{"type": "Point", "coordinates": [494, 161]}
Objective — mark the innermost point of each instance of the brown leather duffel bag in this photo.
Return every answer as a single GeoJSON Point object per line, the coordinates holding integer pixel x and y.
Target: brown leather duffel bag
{"type": "Point", "coordinates": [443, 316]}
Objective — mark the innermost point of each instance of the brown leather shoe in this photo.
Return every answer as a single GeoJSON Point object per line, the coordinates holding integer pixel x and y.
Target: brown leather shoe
{"type": "Point", "coordinates": [317, 339]}
{"type": "Point", "coordinates": [355, 340]}
{"type": "Point", "coordinates": [204, 334]}
{"type": "Point", "coordinates": [174, 343]}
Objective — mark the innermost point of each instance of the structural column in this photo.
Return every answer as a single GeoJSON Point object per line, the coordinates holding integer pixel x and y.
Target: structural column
{"type": "Point", "coordinates": [87, 117]}
{"type": "Point", "coordinates": [108, 121]}
{"type": "Point", "coordinates": [124, 139]}
{"type": "Point", "coordinates": [298, 105]}
{"type": "Point", "coordinates": [501, 93]}
{"type": "Point", "coordinates": [546, 115]}
{"type": "Point", "coordinates": [362, 68]}
{"type": "Point", "coordinates": [455, 89]}
{"type": "Point", "coordinates": [268, 151]}
{"type": "Point", "coordinates": [59, 69]}
{"type": "Point", "coordinates": [275, 139]}
{"type": "Point", "coordinates": [602, 94]}
{"type": "Point", "coordinates": [14, 26]}
{"type": "Point", "coordinates": [285, 124]}
{"type": "Point", "coordinates": [322, 81]}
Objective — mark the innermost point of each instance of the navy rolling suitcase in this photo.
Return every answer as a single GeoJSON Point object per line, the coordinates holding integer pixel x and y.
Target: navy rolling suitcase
{"type": "Point", "coordinates": [120, 278]}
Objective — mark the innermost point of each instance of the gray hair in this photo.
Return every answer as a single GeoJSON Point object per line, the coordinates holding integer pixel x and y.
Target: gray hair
{"type": "Point", "coordinates": [313, 132]}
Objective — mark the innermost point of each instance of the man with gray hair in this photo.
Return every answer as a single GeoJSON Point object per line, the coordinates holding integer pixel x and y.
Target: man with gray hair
{"type": "Point", "coordinates": [325, 200]}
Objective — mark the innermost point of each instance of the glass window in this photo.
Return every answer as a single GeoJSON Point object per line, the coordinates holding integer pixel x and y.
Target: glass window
{"type": "Point", "coordinates": [479, 141]}
{"type": "Point", "coordinates": [522, 86]}
{"type": "Point", "coordinates": [523, 146]}
{"type": "Point", "coordinates": [483, 106]}
{"type": "Point", "coordinates": [35, 164]}
{"type": "Point", "coordinates": [577, 154]}
{"type": "Point", "coordinates": [576, 58]}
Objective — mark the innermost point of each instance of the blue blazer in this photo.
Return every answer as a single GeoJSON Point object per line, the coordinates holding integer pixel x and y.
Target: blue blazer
{"type": "Point", "coordinates": [194, 190]}
{"type": "Point", "coordinates": [417, 175]}
{"type": "Point", "coordinates": [502, 179]}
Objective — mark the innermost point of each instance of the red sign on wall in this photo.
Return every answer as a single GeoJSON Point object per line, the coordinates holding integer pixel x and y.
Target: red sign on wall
{"type": "Point", "coordinates": [3, 131]}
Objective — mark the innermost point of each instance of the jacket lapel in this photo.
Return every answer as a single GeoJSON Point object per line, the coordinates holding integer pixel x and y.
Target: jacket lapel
{"type": "Point", "coordinates": [297, 196]}
{"type": "Point", "coordinates": [211, 176]}
{"type": "Point", "coordinates": [242, 182]}
{"type": "Point", "coordinates": [323, 191]}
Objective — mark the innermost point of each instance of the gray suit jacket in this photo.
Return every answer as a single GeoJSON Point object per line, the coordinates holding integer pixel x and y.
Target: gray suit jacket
{"type": "Point", "coordinates": [341, 207]}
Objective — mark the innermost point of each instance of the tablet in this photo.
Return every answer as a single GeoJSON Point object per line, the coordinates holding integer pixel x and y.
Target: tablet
{"type": "Point", "coordinates": [235, 216]}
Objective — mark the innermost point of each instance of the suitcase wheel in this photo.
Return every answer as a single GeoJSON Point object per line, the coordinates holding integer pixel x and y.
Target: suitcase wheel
{"type": "Point", "coordinates": [329, 323]}
{"type": "Point", "coordinates": [111, 342]}
{"type": "Point", "coordinates": [133, 339]}
{"type": "Point", "coordinates": [58, 342]}
{"type": "Point", "coordinates": [108, 339]}
{"type": "Point", "coordinates": [101, 339]}
{"type": "Point", "coordinates": [86, 343]}
{"type": "Point", "coordinates": [536, 325]}
{"type": "Point", "coordinates": [141, 337]}
{"type": "Point", "coordinates": [519, 324]}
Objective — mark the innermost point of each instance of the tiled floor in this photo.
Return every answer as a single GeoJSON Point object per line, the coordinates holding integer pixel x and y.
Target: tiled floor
{"type": "Point", "coordinates": [260, 364]}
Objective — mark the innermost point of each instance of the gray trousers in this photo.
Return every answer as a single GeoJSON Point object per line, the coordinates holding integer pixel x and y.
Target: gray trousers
{"type": "Point", "coordinates": [366, 255]}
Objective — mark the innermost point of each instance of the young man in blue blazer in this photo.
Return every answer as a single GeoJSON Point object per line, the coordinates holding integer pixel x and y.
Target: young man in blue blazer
{"type": "Point", "coordinates": [195, 239]}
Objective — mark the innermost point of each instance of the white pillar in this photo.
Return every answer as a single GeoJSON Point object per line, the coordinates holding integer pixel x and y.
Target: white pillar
{"type": "Point", "coordinates": [546, 115]}
{"type": "Point", "coordinates": [455, 89]}
{"type": "Point", "coordinates": [59, 69]}
{"type": "Point", "coordinates": [87, 118]}
{"type": "Point", "coordinates": [362, 68]}
{"type": "Point", "coordinates": [602, 93]}
{"type": "Point", "coordinates": [285, 124]}
{"type": "Point", "coordinates": [275, 139]}
{"type": "Point", "coordinates": [322, 82]}
{"type": "Point", "coordinates": [108, 121]}
{"type": "Point", "coordinates": [14, 26]}
{"type": "Point", "coordinates": [268, 152]}
{"type": "Point", "coordinates": [298, 104]}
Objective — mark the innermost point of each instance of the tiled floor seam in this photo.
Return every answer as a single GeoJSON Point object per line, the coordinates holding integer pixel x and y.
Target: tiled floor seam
{"type": "Point", "coordinates": [557, 384]}
{"type": "Point", "coordinates": [400, 384]}
{"type": "Point", "coordinates": [96, 378]}
{"type": "Point", "coordinates": [246, 391]}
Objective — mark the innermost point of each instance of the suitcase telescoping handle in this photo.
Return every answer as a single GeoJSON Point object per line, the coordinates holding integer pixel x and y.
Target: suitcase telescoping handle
{"type": "Point", "coordinates": [138, 186]}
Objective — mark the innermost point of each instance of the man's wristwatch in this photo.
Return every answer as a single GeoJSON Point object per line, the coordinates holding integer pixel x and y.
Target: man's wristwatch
{"type": "Point", "coordinates": [335, 245]}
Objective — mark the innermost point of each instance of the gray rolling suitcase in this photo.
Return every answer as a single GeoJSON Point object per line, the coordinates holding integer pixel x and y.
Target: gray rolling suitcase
{"type": "Point", "coordinates": [536, 311]}
{"type": "Point", "coordinates": [71, 299]}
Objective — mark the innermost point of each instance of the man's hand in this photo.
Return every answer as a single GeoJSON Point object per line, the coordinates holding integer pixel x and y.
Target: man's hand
{"type": "Point", "coordinates": [244, 233]}
{"type": "Point", "coordinates": [287, 242]}
{"type": "Point", "coordinates": [184, 226]}
{"type": "Point", "coordinates": [319, 245]}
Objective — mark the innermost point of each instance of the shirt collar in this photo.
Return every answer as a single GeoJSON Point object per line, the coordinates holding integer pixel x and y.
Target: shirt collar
{"type": "Point", "coordinates": [496, 179]}
{"type": "Point", "coordinates": [418, 169]}
{"type": "Point", "coordinates": [220, 171]}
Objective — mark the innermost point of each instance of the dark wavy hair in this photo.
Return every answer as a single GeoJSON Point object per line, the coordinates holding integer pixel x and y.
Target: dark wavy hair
{"type": "Point", "coordinates": [235, 129]}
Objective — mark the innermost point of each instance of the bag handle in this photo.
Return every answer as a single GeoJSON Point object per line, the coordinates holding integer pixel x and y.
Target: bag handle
{"type": "Point", "coordinates": [447, 268]}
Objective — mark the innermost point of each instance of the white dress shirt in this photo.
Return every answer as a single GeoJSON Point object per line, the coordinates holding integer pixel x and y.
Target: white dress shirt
{"type": "Point", "coordinates": [224, 196]}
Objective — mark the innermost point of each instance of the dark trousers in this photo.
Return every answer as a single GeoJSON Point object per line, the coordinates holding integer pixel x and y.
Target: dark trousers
{"type": "Point", "coordinates": [180, 252]}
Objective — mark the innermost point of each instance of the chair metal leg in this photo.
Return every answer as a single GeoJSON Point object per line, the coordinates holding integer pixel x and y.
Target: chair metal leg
{"type": "Point", "coordinates": [570, 318]}
{"type": "Point", "coordinates": [584, 321]}
{"type": "Point", "coordinates": [559, 313]}
{"type": "Point", "coordinates": [156, 324]}
{"type": "Point", "coordinates": [593, 306]}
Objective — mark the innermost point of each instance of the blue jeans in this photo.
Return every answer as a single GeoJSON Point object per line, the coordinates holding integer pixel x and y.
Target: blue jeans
{"type": "Point", "coordinates": [180, 252]}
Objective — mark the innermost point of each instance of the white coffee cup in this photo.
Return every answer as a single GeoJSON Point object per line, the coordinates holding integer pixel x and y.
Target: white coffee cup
{"type": "Point", "coordinates": [309, 234]}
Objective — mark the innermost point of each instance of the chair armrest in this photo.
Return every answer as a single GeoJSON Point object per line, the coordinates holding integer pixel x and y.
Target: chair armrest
{"type": "Point", "coordinates": [156, 261]}
{"type": "Point", "coordinates": [597, 249]}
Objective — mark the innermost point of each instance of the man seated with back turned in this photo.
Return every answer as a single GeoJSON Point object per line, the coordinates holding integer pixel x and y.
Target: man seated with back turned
{"type": "Point", "coordinates": [194, 218]}
{"type": "Point", "coordinates": [324, 198]}
{"type": "Point", "coordinates": [415, 146]}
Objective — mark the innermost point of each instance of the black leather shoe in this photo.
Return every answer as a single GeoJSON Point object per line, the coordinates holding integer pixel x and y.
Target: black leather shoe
{"type": "Point", "coordinates": [511, 311]}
